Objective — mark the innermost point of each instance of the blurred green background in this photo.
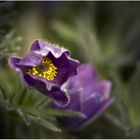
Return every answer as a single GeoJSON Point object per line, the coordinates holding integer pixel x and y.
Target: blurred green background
{"type": "Point", "coordinates": [104, 34]}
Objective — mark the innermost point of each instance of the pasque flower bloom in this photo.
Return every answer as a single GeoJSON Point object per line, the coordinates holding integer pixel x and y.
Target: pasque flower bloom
{"type": "Point", "coordinates": [88, 95]}
{"type": "Point", "coordinates": [46, 68]}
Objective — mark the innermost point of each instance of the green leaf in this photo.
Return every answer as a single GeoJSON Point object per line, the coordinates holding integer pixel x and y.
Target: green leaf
{"type": "Point", "coordinates": [44, 123]}
{"type": "Point", "coordinates": [3, 93]}
{"type": "Point", "coordinates": [43, 102]}
{"type": "Point", "coordinates": [23, 116]}
{"type": "Point", "coordinates": [22, 96]}
{"type": "Point", "coordinates": [59, 112]}
{"type": "Point", "coordinates": [12, 98]}
{"type": "Point", "coordinates": [54, 112]}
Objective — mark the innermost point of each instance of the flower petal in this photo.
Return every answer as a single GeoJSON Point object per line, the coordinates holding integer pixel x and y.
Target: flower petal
{"type": "Point", "coordinates": [60, 97]}
{"type": "Point", "coordinates": [13, 61]}
{"type": "Point", "coordinates": [92, 111]}
{"type": "Point", "coordinates": [32, 59]}
{"type": "Point", "coordinates": [88, 73]}
{"type": "Point", "coordinates": [96, 110]}
{"type": "Point", "coordinates": [104, 87]}
{"type": "Point", "coordinates": [45, 47]}
{"type": "Point", "coordinates": [66, 68]}
{"type": "Point", "coordinates": [40, 49]}
{"type": "Point", "coordinates": [86, 78]}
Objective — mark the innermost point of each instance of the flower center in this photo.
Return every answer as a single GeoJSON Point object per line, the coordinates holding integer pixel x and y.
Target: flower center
{"type": "Point", "coordinates": [45, 69]}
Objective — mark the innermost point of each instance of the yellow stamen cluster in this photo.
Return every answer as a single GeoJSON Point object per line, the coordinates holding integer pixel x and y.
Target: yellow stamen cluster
{"type": "Point", "coordinates": [46, 69]}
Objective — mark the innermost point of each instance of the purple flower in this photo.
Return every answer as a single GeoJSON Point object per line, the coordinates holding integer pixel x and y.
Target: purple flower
{"type": "Point", "coordinates": [87, 95]}
{"type": "Point", "coordinates": [46, 68]}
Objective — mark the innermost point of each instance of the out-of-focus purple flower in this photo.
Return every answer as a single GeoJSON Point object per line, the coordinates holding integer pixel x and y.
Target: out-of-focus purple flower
{"type": "Point", "coordinates": [87, 95]}
{"type": "Point", "coordinates": [46, 68]}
